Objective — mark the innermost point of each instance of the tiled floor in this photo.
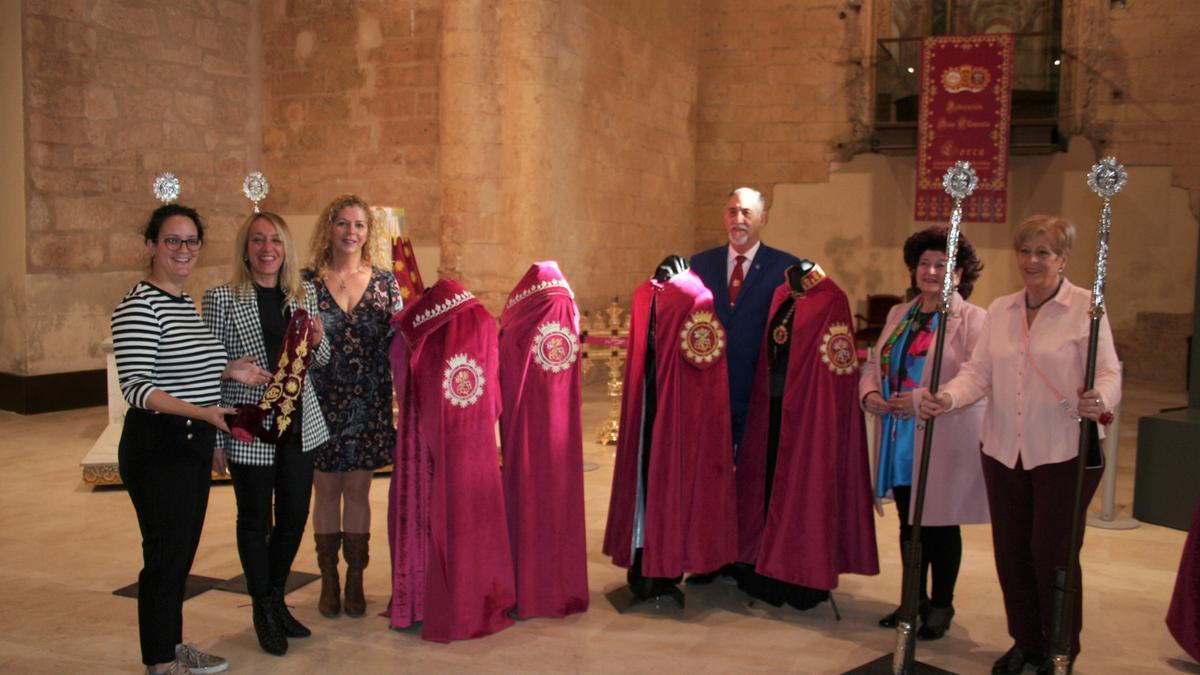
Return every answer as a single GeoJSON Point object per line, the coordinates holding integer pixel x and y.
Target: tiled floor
{"type": "Point", "coordinates": [65, 546]}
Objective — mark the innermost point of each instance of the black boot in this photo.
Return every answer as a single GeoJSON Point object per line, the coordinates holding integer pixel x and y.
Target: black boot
{"type": "Point", "coordinates": [268, 627]}
{"type": "Point", "coordinates": [291, 627]}
{"type": "Point", "coordinates": [937, 622]}
{"type": "Point", "coordinates": [892, 619]}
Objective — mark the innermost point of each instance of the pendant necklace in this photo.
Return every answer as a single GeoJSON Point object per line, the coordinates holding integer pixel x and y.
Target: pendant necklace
{"type": "Point", "coordinates": [1048, 298]}
{"type": "Point", "coordinates": [342, 279]}
{"type": "Point", "coordinates": [780, 334]}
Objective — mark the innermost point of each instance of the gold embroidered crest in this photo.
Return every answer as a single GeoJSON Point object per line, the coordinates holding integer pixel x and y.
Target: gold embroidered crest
{"type": "Point", "coordinates": [838, 350]}
{"type": "Point", "coordinates": [702, 338]}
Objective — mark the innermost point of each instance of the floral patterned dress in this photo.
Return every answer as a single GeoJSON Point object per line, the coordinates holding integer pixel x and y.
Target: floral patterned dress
{"type": "Point", "coordinates": [355, 388]}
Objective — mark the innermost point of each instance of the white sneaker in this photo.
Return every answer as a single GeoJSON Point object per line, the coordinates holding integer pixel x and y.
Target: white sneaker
{"type": "Point", "coordinates": [199, 662]}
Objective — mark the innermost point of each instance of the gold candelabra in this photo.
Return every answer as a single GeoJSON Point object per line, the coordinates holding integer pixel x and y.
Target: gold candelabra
{"type": "Point", "coordinates": [605, 338]}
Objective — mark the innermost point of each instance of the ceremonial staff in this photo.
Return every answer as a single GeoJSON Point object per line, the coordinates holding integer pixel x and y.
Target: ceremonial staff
{"type": "Point", "coordinates": [1105, 179]}
{"type": "Point", "coordinates": [959, 182]}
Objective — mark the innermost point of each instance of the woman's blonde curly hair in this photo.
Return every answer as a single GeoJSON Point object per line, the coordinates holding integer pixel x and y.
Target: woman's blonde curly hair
{"type": "Point", "coordinates": [320, 249]}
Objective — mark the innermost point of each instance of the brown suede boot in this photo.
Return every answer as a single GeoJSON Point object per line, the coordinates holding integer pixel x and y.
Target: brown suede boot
{"type": "Point", "coordinates": [330, 604]}
{"type": "Point", "coordinates": [356, 560]}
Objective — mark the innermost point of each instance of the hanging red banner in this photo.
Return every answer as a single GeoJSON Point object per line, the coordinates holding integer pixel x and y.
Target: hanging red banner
{"type": "Point", "coordinates": [966, 111]}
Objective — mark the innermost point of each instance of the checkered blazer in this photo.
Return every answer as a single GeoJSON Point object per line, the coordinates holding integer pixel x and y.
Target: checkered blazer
{"type": "Point", "coordinates": [232, 316]}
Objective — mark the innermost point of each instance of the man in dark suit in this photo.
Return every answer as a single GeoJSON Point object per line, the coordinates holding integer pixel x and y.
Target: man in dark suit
{"type": "Point", "coordinates": [742, 276]}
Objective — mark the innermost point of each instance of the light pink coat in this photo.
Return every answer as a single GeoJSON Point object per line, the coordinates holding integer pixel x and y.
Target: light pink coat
{"type": "Point", "coordinates": [955, 494]}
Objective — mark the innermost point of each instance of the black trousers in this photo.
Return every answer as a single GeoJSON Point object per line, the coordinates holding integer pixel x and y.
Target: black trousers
{"type": "Point", "coordinates": [267, 550]}
{"type": "Point", "coordinates": [166, 463]}
{"type": "Point", "coordinates": [941, 551]}
{"type": "Point", "coordinates": [1031, 525]}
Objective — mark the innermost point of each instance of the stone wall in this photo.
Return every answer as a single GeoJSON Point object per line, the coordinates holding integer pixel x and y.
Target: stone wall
{"type": "Point", "coordinates": [12, 194]}
{"type": "Point", "coordinates": [1136, 90]}
{"type": "Point", "coordinates": [115, 93]}
{"type": "Point", "coordinates": [782, 93]}
{"type": "Point", "coordinates": [601, 133]}
{"type": "Point", "coordinates": [567, 133]}
{"type": "Point", "coordinates": [350, 104]}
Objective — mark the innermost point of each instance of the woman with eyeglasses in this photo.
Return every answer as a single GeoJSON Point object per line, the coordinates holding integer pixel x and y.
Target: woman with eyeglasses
{"type": "Point", "coordinates": [1029, 362]}
{"type": "Point", "coordinates": [170, 369]}
{"type": "Point", "coordinates": [272, 483]}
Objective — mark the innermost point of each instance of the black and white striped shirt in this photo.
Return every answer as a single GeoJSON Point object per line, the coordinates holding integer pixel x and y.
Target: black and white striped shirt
{"type": "Point", "coordinates": [160, 342]}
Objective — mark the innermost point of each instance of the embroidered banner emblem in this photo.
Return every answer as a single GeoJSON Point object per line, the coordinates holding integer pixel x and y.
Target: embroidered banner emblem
{"type": "Point", "coordinates": [702, 338]}
{"type": "Point", "coordinates": [462, 381]}
{"type": "Point", "coordinates": [555, 348]}
{"type": "Point", "coordinates": [837, 349]}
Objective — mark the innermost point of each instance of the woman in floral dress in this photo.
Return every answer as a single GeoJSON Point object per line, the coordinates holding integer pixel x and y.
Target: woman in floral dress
{"type": "Point", "coordinates": [357, 300]}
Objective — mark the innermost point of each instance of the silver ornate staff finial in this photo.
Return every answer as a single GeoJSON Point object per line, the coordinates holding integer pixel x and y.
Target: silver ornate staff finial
{"type": "Point", "coordinates": [959, 182]}
{"type": "Point", "coordinates": [1106, 179]}
{"type": "Point", "coordinates": [166, 188]}
{"type": "Point", "coordinates": [256, 187]}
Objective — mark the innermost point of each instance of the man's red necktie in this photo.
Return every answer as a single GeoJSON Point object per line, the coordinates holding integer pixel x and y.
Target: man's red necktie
{"type": "Point", "coordinates": [736, 279]}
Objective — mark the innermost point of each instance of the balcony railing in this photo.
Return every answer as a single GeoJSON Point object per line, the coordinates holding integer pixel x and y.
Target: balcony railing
{"type": "Point", "coordinates": [1037, 66]}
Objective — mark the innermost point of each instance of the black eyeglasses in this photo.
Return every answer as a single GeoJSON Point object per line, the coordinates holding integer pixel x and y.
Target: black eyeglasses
{"type": "Point", "coordinates": [174, 243]}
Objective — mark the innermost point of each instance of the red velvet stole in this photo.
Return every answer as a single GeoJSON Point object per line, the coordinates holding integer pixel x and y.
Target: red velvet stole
{"type": "Point", "coordinates": [284, 390]}
{"type": "Point", "coordinates": [542, 437]}
{"type": "Point", "coordinates": [820, 521]}
{"type": "Point", "coordinates": [451, 562]}
{"type": "Point", "coordinates": [689, 523]}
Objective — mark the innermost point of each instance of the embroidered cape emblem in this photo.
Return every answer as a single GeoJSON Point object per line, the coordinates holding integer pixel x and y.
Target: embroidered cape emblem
{"type": "Point", "coordinates": [702, 338]}
{"type": "Point", "coordinates": [462, 381]}
{"type": "Point", "coordinates": [838, 350]}
{"type": "Point", "coordinates": [554, 347]}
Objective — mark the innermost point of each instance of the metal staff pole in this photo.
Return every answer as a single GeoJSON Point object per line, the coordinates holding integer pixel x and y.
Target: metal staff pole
{"type": "Point", "coordinates": [959, 182]}
{"type": "Point", "coordinates": [1105, 179]}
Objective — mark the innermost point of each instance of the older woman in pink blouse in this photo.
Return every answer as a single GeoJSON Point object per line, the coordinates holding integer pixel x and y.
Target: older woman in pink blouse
{"type": "Point", "coordinates": [1030, 363]}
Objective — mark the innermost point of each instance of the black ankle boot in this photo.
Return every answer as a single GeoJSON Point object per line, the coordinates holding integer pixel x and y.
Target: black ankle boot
{"type": "Point", "coordinates": [291, 627]}
{"type": "Point", "coordinates": [268, 627]}
{"type": "Point", "coordinates": [937, 622]}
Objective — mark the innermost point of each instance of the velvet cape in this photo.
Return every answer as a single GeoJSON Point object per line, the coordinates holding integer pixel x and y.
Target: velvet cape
{"type": "Point", "coordinates": [451, 564]}
{"type": "Point", "coordinates": [689, 522]}
{"type": "Point", "coordinates": [819, 523]}
{"type": "Point", "coordinates": [1183, 617]}
{"type": "Point", "coordinates": [542, 440]}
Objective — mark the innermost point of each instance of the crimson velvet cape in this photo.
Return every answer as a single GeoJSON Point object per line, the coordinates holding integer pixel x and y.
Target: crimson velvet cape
{"type": "Point", "coordinates": [689, 523]}
{"type": "Point", "coordinates": [451, 564]}
{"type": "Point", "coordinates": [542, 437]}
{"type": "Point", "coordinates": [1183, 617]}
{"type": "Point", "coordinates": [819, 523]}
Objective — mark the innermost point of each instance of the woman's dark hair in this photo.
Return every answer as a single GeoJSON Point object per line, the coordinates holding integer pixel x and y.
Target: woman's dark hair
{"type": "Point", "coordinates": [934, 239]}
{"type": "Point", "coordinates": [165, 211]}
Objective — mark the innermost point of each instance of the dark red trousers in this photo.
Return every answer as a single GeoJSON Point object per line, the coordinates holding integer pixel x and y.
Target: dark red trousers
{"type": "Point", "coordinates": [1031, 524]}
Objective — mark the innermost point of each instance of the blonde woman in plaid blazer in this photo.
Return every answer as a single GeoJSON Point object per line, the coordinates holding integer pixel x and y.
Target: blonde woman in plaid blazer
{"type": "Point", "coordinates": [249, 316]}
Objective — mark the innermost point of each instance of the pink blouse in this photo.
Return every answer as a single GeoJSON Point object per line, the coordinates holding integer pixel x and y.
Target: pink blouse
{"type": "Point", "coordinates": [1032, 376]}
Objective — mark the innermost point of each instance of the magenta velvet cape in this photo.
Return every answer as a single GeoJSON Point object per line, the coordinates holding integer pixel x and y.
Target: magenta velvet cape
{"type": "Point", "coordinates": [451, 566]}
{"type": "Point", "coordinates": [820, 522]}
{"type": "Point", "coordinates": [1183, 618]}
{"type": "Point", "coordinates": [542, 437]}
{"type": "Point", "coordinates": [690, 516]}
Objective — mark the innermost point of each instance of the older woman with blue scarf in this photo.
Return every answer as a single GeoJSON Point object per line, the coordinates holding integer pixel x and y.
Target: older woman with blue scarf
{"type": "Point", "coordinates": [890, 386]}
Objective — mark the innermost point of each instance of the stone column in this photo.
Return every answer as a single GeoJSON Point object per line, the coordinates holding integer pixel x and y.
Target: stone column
{"type": "Point", "coordinates": [502, 142]}
{"type": "Point", "coordinates": [469, 135]}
